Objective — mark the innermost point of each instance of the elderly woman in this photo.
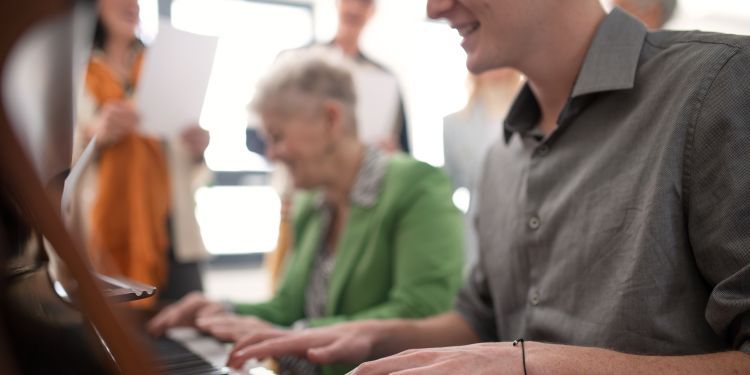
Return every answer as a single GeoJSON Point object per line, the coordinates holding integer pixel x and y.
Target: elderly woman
{"type": "Point", "coordinates": [375, 236]}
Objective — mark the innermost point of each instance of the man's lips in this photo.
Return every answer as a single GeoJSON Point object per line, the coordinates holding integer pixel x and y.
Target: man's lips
{"type": "Point", "coordinates": [467, 28]}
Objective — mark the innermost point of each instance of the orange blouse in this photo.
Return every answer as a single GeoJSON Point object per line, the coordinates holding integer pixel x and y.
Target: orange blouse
{"type": "Point", "coordinates": [129, 215]}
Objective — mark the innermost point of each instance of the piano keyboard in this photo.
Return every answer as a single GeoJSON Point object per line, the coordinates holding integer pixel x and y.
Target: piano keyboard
{"type": "Point", "coordinates": [175, 359]}
{"type": "Point", "coordinates": [185, 351]}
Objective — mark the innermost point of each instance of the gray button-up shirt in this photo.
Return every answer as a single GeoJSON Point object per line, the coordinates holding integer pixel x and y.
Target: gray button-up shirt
{"type": "Point", "coordinates": [628, 227]}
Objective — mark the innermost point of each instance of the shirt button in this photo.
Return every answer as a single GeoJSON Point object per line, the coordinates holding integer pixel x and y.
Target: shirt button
{"type": "Point", "coordinates": [535, 298]}
{"type": "Point", "coordinates": [534, 223]}
{"type": "Point", "coordinates": [542, 150]}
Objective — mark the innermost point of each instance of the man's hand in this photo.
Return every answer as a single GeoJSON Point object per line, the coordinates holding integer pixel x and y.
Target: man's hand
{"type": "Point", "coordinates": [504, 358]}
{"type": "Point", "coordinates": [351, 342]}
{"type": "Point", "coordinates": [488, 358]}
{"type": "Point", "coordinates": [184, 313]}
{"type": "Point", "coordinates": [230, 327]}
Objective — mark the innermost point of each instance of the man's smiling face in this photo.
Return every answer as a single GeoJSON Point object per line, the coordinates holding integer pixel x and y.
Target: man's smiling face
{"type": "Point", "coordinates": [494, 31]}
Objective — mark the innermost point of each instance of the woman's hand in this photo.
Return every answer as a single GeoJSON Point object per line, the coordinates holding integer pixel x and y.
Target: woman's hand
{"type": "Point", "coordinates": [114, 121]}
{"type": "Point", "coordinates": [184, 313]}
{"type": "Point", "coordinates": [231, 327]}
{"type": "Point", "coordinates": [351, 342]}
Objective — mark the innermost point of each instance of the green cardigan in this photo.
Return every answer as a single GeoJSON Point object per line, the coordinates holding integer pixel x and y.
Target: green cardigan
{"type": "Point", "coordinates": [401, 258]}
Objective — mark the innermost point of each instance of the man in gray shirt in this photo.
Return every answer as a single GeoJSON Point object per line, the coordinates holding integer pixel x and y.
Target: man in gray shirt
{"type": "Point", "coordinates": [615, 220]}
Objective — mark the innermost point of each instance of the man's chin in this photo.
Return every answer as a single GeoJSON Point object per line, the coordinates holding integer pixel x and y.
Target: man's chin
{"type": "Point", "coordinates": [478, 64]}
{"type": "Point", "coordinates": [472, 63]}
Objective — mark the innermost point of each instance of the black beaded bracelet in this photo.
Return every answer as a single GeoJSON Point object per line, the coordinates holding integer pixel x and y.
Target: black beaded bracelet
{"type": "Point", "coordinates": [523, 353]}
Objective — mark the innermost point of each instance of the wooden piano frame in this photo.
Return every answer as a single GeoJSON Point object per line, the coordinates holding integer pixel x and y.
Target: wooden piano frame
{"type": "Point", "coordinates": [18, 177]}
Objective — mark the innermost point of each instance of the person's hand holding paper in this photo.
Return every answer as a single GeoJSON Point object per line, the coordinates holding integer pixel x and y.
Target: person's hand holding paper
{"type": "Point", "coordinates": [115, 120]}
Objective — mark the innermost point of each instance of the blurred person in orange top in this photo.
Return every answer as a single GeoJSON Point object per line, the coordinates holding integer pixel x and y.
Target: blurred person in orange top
{"type": "Point", "coordinates": [135, 203]}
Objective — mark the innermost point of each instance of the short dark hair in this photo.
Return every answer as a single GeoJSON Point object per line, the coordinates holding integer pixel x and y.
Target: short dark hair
{"type": "Point", "coordinates": [101, 35]}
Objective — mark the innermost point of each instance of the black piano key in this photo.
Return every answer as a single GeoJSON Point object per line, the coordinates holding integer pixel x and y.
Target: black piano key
{"type": "Point", "coordinates": [175, 359]}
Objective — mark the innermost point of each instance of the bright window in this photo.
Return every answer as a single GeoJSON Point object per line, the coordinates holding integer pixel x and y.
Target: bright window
{"type": "Point", "coordinates": [244, 217]}
{"type": "Point", "coordinates": [238, 219]}
{"type": "Point", "coordinates": [251, 35]}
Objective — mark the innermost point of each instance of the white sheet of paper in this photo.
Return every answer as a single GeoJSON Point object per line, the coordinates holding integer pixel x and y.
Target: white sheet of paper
{"type": "Point", "coordinates": [377, 104]}
{"type": "Point", "coordinates": [173, 82]}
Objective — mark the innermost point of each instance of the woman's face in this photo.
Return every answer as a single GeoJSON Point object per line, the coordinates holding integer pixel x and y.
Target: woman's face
{"type": "Point", "coordinates": [120, 17]}
{"type": "Point", "coordinates": [304, 143]}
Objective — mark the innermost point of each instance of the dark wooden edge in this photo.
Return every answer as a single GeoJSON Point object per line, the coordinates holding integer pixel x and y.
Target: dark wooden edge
{"type": "Point", "coordinates": [17, 173]}
{"type": "Point", "coordinates": [7, 365]}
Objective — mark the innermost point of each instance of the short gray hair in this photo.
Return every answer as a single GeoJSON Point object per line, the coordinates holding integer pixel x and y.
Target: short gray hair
{"type": "Point", "coordinates": [301, 80]}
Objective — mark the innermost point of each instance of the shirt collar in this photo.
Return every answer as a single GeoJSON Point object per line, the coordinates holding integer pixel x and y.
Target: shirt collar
{"type": "Point", "coordinates": [359, 57]}
{"type": "Point", "coordinates": [369, 180]}
{"type": "Point", "coordinates": [610, 64]}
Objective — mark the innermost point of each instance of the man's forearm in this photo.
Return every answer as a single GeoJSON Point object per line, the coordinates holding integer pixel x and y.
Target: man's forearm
{"type": "Point", "coordinates": [562, 359]}
{"type": "Point", "coordinates": [540, 358]}
{"type": "Point", "coordinates": [734, 362]}
{"type": "Point", "coordinates": [397, 335]}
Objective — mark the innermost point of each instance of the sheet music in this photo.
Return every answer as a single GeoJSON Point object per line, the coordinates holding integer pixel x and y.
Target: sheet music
{"type": "Point", "coordinates": [173, 82]}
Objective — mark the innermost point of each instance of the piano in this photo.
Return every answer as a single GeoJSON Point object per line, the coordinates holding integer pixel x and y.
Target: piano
{"type": "Point", "coordinates": [187, 351]}
{"type": "Point", "coordinates": [56, 316]}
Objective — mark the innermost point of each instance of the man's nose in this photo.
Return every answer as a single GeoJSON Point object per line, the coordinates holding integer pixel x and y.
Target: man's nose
{"type": "Point", "coordinates": [437, 8]}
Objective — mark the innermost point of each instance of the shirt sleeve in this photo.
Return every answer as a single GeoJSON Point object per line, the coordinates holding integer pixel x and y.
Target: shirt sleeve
{"type": "Point", "coordinates": [287, 304]}
{"type": "Point", "coordinates": [717, 193]}
{"type": "Point", "coordinates": [284, 308]}
{"type": "Point", "coordinates": [474, 304]}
